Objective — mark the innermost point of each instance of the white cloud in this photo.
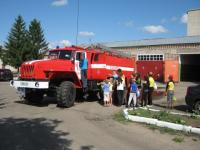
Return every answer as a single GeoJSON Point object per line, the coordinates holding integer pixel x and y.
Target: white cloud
{"type": "Point", "coordinates": [184, 18]}
{"type": "Point", "coordinates": [65, 42]}
{"type": "Point", "coordinates": [61, 43]}
{"type": "Point", "coordinates": [86, 34]}
{"type": "Point", "coordinates": [59, 3]}
{"type": "Point", "coordinates": [155, 29]}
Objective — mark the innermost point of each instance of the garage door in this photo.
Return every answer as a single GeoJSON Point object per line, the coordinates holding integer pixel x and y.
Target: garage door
{"type": "Point", "coordinates": [190, 67]}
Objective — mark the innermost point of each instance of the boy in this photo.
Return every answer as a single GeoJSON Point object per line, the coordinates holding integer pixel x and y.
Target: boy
{"type": "Point", "coordinates": [133, 93]}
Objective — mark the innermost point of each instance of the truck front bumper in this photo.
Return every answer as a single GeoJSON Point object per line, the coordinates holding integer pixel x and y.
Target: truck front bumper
{"type": "Point", "coordinates": [30, 84]}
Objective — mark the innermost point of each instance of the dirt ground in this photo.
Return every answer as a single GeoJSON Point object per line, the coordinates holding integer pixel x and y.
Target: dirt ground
{"type": "Point", "coordinates": [86, 126]}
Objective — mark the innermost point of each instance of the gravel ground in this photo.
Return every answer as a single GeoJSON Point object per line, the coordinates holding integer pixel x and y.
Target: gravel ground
{"type": "Point", "coordinates": [86, 126]}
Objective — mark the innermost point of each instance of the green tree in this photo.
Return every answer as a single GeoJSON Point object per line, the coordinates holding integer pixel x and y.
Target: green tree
{"type": "Point", "coordinates": [36, 39]}
{"type": "Point", "coordinates": [16, 45]}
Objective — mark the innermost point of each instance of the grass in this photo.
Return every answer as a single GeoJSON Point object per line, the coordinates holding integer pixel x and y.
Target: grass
{"type": "Point", "coordinates": [178, 139]}
{"type": "Point", "coordinates": [164, 116]}
{"type": "Point", "coordinates": [163, 130]}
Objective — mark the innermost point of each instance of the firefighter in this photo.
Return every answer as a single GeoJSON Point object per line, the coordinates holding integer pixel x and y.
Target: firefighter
{"type": "Point", "coordinates": [84, 67]}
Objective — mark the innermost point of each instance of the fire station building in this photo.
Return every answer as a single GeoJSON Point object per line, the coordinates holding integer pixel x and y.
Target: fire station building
{"type": "Point", "coordinates": [179, 56]}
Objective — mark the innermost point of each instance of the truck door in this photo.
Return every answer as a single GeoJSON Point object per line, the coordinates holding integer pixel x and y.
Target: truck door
{"type": "Point", "coordinates": [98, 66]}
{"type": "Point", "coordinates": [77, 62]}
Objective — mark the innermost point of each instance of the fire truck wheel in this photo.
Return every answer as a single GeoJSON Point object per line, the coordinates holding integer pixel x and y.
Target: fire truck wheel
{"type": "Point", "coordinates": [66, 94]}
{"type": "Point", "coordinates": [34, 96]}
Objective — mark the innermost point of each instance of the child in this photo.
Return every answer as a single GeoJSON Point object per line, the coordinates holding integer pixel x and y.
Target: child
{"type": "Point", "coordinates": [133, 93]}
{"type": "Point", "coordinates": [106, 93]}
{"type": "Point", "coordinates": [111, 90]}
{"type": "Point", "coordinates": [145, 88]}
{"type": "Point", "coordinates": [170, 92]}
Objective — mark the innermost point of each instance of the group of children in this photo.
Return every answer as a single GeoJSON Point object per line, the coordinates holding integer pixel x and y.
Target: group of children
{"type": "Point", "coordinates": [118, 83]}
{"type": "Point", "coordinates": [137, 91]}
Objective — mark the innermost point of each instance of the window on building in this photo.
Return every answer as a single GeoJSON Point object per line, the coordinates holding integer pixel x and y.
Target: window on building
{"type": "Point", "coordinates": [146, 57]}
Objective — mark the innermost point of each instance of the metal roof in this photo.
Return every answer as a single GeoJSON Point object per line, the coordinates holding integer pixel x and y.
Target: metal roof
{"type": "Point", "coordinates": [195, 9]}
{"type": "Point", "coordinates": [154, 42]}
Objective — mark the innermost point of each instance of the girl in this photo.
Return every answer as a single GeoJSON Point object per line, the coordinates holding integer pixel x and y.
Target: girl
{"type": "Point", "coordinates": [111, 90]}
{"type": "Point", "coordinates": [106, 92]}
{"type": "Point", "coordinates": [170, 92]}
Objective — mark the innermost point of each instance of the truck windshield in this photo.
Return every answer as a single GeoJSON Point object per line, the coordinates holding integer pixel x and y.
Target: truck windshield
{"type": "Point", "coordinates": [60, 55]}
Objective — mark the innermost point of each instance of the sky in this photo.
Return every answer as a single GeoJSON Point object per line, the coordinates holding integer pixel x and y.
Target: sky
{"type": "Point", "coordinates": [99, 20]}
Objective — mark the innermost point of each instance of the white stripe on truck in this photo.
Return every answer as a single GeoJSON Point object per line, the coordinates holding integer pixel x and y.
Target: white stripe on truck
{"type": "Point", "coordinates": [108, 67]}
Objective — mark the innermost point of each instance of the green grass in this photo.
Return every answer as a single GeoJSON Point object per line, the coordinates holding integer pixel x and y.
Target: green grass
{"type": "Point", "coordinates": [163, 130]}
{"type": "Point", "coordinates": [179, 135]}
{"type": "Point", "coordinates": [178, 139]}
{"type": "Point", "coordinates": [161, 115]}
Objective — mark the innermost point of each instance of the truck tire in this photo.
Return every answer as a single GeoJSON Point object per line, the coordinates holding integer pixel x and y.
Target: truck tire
{"type": "Point", "coordinates": [34, 97]}
{"type": "Point", "coordinates": [66, 94]}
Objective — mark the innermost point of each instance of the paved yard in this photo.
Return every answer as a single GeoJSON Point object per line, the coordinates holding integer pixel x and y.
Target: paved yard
{"type": "Point", "coordinates": [86, 126]}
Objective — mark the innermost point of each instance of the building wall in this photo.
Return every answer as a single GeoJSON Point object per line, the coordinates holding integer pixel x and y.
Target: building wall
{"type": "Point", "coordinates": [193, 25]}
{"type": "Point", "coordinates": [8, 67]}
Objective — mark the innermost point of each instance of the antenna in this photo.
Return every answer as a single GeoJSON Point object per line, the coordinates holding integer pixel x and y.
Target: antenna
{"type": "Point", "coordinates": [77, 23]}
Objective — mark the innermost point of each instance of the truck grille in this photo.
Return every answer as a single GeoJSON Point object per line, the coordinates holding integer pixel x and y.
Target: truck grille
{"type": "Point", "coordinates": [27, 71]}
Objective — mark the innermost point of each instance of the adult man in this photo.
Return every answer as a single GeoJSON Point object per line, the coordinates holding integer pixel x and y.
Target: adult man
{"type": "Point", "coordinates": [122, 76]}
{"type": "Point", "coordinates": [151, 88]}
{"type": "Point", "coordinates": [84, 67]}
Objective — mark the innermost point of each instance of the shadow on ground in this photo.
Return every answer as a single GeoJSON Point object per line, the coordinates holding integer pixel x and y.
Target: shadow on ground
{"type": "Point", "coordinates": [32, 134]}
{"type": "Point", "coordinates": [44, 103]}
{"type": "Point", "coordinates": [87, 147]}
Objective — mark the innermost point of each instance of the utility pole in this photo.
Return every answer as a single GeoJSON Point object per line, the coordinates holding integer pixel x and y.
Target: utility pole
{"type": "Point", "coordinates": [77, 23]}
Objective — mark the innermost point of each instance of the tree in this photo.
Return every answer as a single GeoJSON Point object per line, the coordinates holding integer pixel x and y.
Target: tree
{"type": "Point", "coordinates": [36, 39]}
{"type": "Point", "coordinates": [16, 46]}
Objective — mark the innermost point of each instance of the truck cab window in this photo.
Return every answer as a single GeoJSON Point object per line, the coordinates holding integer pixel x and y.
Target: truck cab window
{"type": "Point", "coordinates": [60, 55]}
{"type": "Point", "coordinates": [65, 55]}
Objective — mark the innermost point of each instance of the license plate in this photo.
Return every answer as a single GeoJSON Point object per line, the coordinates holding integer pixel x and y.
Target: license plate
{"type": "Point", "coordinates": [24, 83]}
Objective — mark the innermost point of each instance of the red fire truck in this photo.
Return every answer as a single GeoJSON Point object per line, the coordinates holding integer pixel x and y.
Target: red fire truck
{"type": "Point", "coordinates": [60, 74]}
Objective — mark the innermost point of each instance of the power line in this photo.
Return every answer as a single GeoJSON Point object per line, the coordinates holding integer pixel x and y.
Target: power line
{"type": "Point", "coordinates": [77, 23]}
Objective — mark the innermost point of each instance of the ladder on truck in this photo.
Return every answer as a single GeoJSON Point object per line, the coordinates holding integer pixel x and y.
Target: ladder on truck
{"type": "Point", "coordinates": [110, 50]}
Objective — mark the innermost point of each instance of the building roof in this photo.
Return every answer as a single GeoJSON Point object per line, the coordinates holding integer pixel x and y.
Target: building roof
{"type": "Point", "coordinates": [196, 9]}
{"type": "Point", "coordinates": [154, 42]}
